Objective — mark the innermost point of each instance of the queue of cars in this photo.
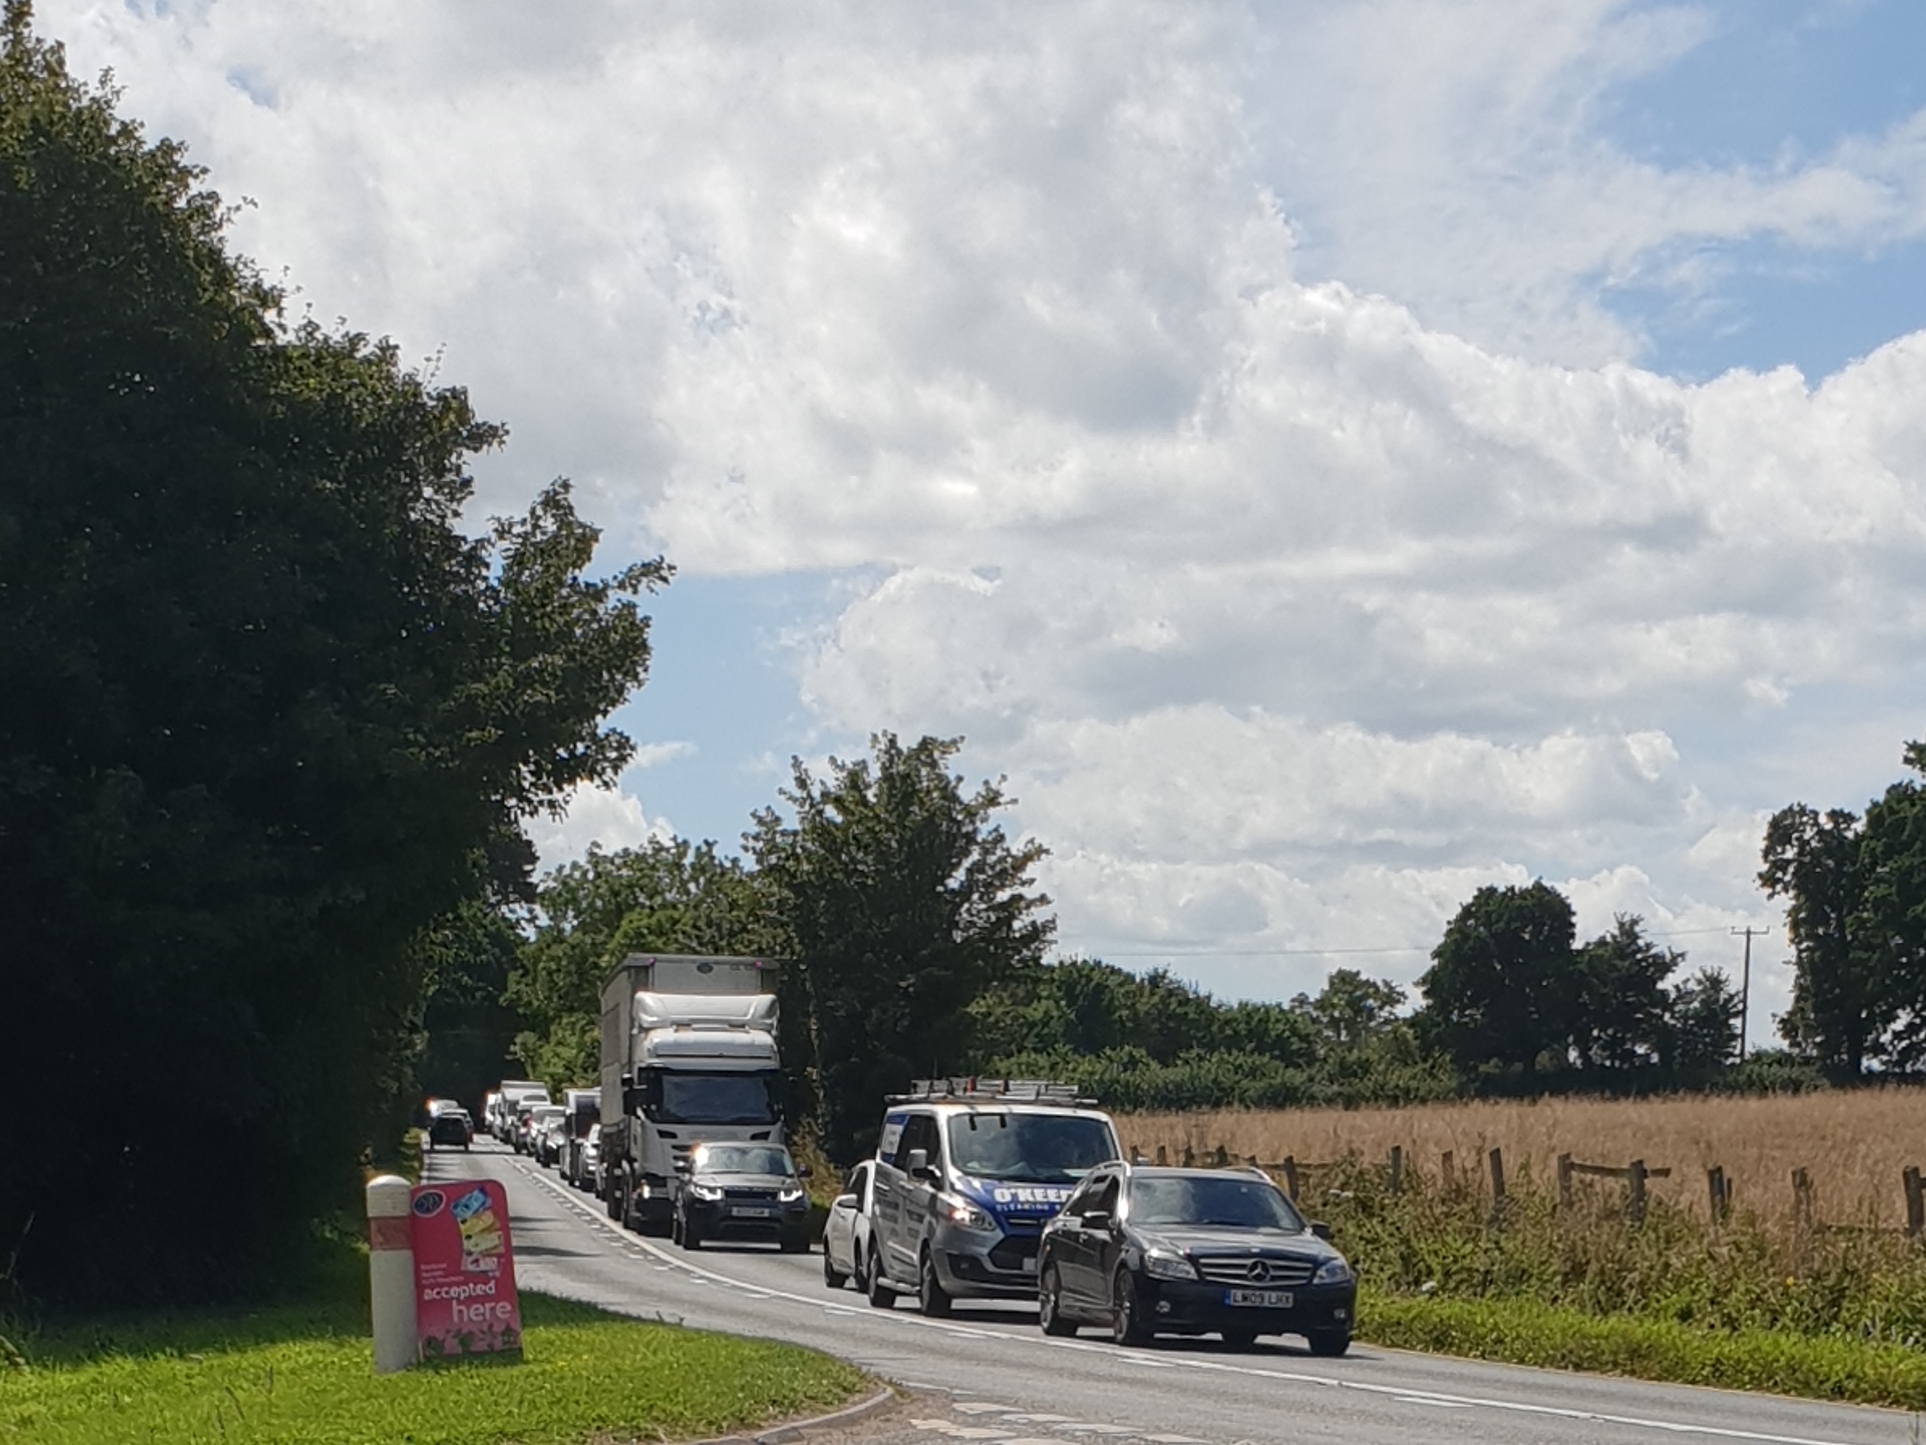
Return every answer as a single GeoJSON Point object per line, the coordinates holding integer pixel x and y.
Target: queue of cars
{"type": "Point", "coordinates": [1007, 1190]}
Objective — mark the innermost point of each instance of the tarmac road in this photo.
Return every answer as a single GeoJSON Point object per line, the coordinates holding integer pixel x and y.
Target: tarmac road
{"type": "Point", "coordinates": [987, 1374]}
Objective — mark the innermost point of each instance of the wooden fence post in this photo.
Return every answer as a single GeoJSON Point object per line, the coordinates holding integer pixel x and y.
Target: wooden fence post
{"type": "Point", "coordinates": [1564, 1181]}
{"type": "Point", "coordinates": [1497, 1184]}
{"type": "Point", "coordinates": [1163, 1156]}
{"type": "Point", "coordinates": [1635, 1191]}
{"type": "Point", "coordinates": [1802, 1198]}
{"type": "Point", "coordinates": [1397, 1168]}
{"type": "Point", "coordinates": [1190, 1156]}
{"type": "Point", "coordinates": [1717, 1194]}
{"type": "Point", "coordinates": [1915, 1202]}
{"type": "Point", "coordinates": [1223, 1156]}
{"type": "Point", "coordinates": [1445, 1172]}
{"type": "Point", "coordinates": [1290, 1175]}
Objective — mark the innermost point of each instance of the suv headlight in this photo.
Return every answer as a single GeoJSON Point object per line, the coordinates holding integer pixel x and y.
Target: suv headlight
{"type": "Point", "coordinates": [790, 1193]}
{"type": "Point", "coordinates": [970, 1216]}
{"type": "Point", "coordinates": [706, 1191]}
{"type": "Point", "coordinates": [1167, 1264]}
{"type": "Point", "coordinates": [1333, 1271]}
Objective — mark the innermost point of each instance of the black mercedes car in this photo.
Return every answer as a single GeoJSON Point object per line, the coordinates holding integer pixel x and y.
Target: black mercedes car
{"type": "Point", "coordinates": [1151, 1251]}
{"type": "Point", "coordinates": [742, 1191]}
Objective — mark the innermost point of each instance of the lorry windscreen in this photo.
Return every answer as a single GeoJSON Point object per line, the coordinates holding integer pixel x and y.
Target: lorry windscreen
{"type": "Point", "coordinates": [691, 1098]}
{"type": "Point", "coordinates": [1031, 1148]}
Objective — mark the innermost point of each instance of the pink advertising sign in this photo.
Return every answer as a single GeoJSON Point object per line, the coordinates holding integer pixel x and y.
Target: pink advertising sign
{"type": "Point", "coordinates": [465, 1300]}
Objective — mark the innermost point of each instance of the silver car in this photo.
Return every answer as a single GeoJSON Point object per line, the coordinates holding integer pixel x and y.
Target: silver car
{"type": "Point", "coordinates": [846, 1233]}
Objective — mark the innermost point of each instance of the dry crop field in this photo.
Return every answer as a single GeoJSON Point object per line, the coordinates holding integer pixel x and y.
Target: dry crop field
{"type": "Point", "coordinates": [1853, 1143]}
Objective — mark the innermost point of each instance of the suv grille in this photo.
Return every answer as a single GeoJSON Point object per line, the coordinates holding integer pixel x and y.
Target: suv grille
{"type": "Point", "coordinates": [1287, 1270]}
{"type": "Point", "coordinates": [763, 1195]}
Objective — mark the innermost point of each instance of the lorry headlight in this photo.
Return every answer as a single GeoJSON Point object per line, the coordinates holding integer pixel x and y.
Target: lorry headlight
{"type": "Point", "coordinates": [1332, 1271]}
{"type": "Point", "coordinates": [1167, 1264]}
{"type": "Point", "coordinates": [962, 1212]}
{"type": "Point", "coordinates": [706, 1191]}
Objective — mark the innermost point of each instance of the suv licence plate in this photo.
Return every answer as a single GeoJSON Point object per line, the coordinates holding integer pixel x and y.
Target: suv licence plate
{"type": "Point", "coordinates": [1266, 1299]}
{"type": "Point", "coordinates": [752, 1211]}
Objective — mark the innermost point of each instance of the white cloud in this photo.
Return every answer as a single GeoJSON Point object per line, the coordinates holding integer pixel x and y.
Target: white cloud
{"type": "Point", "coordinates": [607, 818]}
{"type": "Point", "coordinates": [1294, 608]}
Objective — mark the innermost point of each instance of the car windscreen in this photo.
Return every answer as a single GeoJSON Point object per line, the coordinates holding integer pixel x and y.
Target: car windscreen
{"type": "Point", "coordinates": [1237, 1201]}
{"type": "Point", "coordinates": [1030, 1148]}
{"type": "Point", "coordinates": [745, 1159]}
{"type": "Point", "coordinates": [690, 1098]}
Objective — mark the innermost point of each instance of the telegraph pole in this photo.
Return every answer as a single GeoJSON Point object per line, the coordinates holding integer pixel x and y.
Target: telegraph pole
{"type": "Point", "coordinates": [1748, 933]}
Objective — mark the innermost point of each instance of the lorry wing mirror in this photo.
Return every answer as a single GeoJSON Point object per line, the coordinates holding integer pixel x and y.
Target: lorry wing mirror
{"type": "Point", "coordinates": [631, 1100]}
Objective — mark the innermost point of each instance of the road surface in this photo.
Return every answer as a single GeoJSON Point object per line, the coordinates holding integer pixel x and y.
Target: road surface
{"type": "Point", "coordinates": [1002, 1382]}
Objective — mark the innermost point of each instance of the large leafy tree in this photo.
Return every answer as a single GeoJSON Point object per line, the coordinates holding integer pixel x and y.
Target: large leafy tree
{"type": "Point", "coordinates": [1503, 985]}
{"type": "Point", "coordinates": [904, 901]}
{"type": "Point", "coordinates": [1839, 1004]}
{"type": "Point", "coordinates": [270, 714]}
{"type": "Point", "coordinates": [1888, 923]}
{"type": "Point", "coordinates": [1622, 1015]}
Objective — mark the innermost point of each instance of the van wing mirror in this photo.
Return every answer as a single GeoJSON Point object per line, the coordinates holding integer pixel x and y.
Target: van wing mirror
{"type": "Point", "coordinates": [918, 1166]}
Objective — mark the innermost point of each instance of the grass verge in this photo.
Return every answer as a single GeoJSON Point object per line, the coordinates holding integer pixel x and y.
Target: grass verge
{"type": "Point", "coordinates": [303, 1372]}
{"type": "Point", "coordinates": [1523, 1332]}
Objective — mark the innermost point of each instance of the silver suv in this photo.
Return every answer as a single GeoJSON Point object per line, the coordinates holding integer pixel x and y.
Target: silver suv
{"type": "Point", "coordinates": [968, 1172]}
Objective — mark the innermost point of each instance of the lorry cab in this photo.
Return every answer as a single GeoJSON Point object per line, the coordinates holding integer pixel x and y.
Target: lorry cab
{"type": "Point", "coordinates": [967, 1173]}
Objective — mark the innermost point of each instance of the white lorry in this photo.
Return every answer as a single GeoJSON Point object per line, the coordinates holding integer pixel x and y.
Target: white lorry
{"type": "Point", "coordinates": [689, 1056]}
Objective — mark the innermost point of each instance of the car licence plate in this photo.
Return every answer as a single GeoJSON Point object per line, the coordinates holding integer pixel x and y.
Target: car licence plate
{"type": "Point", "coordinates": [1264, 1299]}
{"type": "Point", "coordinates": [752, 1211]}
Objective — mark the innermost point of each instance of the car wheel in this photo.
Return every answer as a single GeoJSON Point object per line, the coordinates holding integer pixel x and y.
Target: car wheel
{"type": "Point", "coordinates": [930, 1297]}
{"type": "Point", "coordinates": [875, 1284]}
{"type": "Point", "coordinates": [1126, 1315]}
{"type": "Point", "coordinates": [1050, 1305]}
{"type": "Point", "coordinates": [691, 1236]}
{"type": "Point", "coordinates": [832, 1276]}
{"type": "Point", "coordinates": [1329, 1343]}
{"type": "Point", "coordinates": [1239, 1339]}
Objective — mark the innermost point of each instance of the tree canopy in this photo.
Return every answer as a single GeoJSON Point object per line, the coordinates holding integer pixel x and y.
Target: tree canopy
{"type": "Point", "coordinates": [271, 714]}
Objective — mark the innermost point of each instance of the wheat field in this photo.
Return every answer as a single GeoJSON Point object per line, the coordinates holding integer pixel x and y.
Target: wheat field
{"type": "Point", "coordinates": [1854, 1144]}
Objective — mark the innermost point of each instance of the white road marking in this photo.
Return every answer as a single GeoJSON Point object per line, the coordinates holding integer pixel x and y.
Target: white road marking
{"type": "Point", "coordinates": [1430, 1400]}
{"type": "Point", "coordinates": [978, 1407]}
{"type": "Point", "coordinates": [1297, 1377]}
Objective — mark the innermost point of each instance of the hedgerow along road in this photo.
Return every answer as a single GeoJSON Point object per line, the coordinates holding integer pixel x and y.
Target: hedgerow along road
{"type": "Point", "coordinates": [1011, 1385]}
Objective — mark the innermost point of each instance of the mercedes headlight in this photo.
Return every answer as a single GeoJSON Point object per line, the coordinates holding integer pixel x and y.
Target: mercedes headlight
{"type": "Point", "coordinates": [1332, 1271]}
{"type": "Point", "coordinates": [970, 1216]}
{"type": "Point", "coordinates": [706, 1191]}
{"type": "Point", "coordinates": [1167, 1264]}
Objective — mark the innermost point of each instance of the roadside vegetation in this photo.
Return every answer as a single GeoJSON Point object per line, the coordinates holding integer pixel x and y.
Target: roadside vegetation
{"type": "Point", "coordinates": [300, 1374]}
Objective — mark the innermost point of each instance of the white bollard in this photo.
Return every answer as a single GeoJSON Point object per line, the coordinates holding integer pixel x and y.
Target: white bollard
{"type": "Point", "coordinates": [391, 1273]}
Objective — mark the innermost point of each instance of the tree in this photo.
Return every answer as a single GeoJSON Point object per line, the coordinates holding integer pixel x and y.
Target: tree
{"type": "Point", "coordinates": [1622, 1019]}
{"type": "Point", "coordinates": [1503, 986]}
{"type": "Point", "coordinates": [905, 902]}
{"type": "Point", "coordinates": [667, 896]}
{"type": "Point", "coordinates": [1838, 1009]}
{"type": "Point", "coordinates": [270, 715]}
{"type": "Point", "coordinates": [1704, 1023]}
{"type": "Point", "coordinates": [1888, 923]}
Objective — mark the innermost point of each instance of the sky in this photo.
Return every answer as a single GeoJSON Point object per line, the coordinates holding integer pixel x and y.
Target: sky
{"type": "Point", "coordinates": [1326, 459]}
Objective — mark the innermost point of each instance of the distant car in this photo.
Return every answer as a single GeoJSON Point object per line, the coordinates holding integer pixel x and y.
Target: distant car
{"type": "Point", "coordinates": [742, 1191]}
{"type": "Point", "coordinates": [588, 1173]}
{"type": "Point", "coordinates": [1151, 1251]}
{"type": "Point", "coordinates": [452, 1127]}
{"type": "Point", "coordinates": [545, 1133]}
{"type": "Point", "coordinates": [846, 1233]}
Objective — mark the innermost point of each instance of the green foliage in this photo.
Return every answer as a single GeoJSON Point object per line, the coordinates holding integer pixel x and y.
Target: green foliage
{"type": "Point", "coordinates": [904, 902]}
{"type": "Point", "coordinates": [1503, 985]}
{"type": "Point", "coordinates": [667, 896]}
{"type": "Point", "coordinates": [270, 715]}
{"type": "Point", "coordinates": [1837, 1012]}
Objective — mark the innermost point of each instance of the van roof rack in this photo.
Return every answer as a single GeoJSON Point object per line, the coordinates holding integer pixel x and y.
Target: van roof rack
{"type": "Point", "coordinates": [957, 1089]}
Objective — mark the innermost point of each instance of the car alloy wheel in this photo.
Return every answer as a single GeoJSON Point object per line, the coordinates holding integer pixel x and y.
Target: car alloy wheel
{"type": "Point", "coordinates": [1050, 1305]}
{"type": "Point", "coordinates": [1126, 1319]}
{"type": "Point", "coordinates": [881, 1296]}
{"type": "Point", "coordinates": [929, 1289]}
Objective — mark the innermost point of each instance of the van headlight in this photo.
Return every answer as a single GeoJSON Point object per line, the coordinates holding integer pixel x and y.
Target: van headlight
{"type": "Point", "coordinates": [1168, 1264]}
{"type": "Point", "coordinates": [1333, 1271]}
{"type": "Point", "coordinates": [963, 1212]}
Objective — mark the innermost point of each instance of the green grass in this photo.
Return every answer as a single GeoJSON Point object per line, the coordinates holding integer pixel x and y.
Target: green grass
{"type": "Point", "coordinates": [302, 1373]}
{"type": "Point", "coordinates": [1522, 1332]}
